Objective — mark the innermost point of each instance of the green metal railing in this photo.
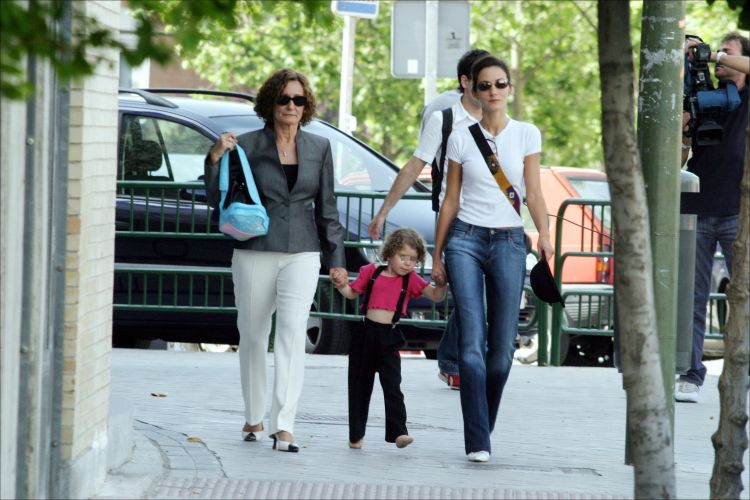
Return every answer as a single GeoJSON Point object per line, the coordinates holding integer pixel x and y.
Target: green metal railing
{"type": "Point", "coordinates": [594, 218]}
{"type": "Point", "coordinates": [178, 210]}
{"type": "Point", "coordinates": [598, 303]}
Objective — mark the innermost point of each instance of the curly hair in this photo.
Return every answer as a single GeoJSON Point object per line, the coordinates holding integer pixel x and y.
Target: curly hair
{"type": "Point", "coordinates": [400, 237]}
{"type": "Point", "coordinates": [272, 89]}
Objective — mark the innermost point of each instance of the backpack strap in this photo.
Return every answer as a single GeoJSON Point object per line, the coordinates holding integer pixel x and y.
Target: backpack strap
{"type": "Point", "coordinates": [368, 289]}
{"type": "Point", "coordinates": [438, 165]}
{"type": "Point", "coordinates": [495, 169]}
{"type": "Point", "coordinates": [401, 298]}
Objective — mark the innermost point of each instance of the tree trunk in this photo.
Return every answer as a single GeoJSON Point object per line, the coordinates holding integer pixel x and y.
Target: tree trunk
{"type": "Point", "coordinates": [730, 439]}
{"type": "Point", "coordinates": [649, 428]}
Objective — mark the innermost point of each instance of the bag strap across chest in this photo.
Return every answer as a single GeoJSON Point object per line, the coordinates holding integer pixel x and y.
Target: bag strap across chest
{"type": "Point", "coordinates": [401, 298]}
{"type": "Point", "coordinates": [495, 169]}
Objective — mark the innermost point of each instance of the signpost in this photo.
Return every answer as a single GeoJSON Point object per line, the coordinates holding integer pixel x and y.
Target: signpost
{"type": "Point", "coordinates": [427, 39]}
{"type": "Point", "coordinates": [350, 11]}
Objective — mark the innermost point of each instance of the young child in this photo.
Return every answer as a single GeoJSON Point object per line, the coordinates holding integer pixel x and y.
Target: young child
{"type": "Point", "coordinates": [374, 344]}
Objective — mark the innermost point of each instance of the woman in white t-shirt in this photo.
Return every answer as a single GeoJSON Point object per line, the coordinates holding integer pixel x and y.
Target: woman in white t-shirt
{"type": "Point", "coordinates": [481, 231]}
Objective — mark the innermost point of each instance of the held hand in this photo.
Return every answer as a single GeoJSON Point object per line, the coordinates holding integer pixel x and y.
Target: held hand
{"type": "Point", "coordinates": [376, 225]}
{"type": "Point", "coordinates": [544, 247]}
{"type": "Point", "coordinates": [226, 142]}
{"type": "Point", "coordinates": [438, 271]}
{"type": "Point", "coordinates": [339, 276]}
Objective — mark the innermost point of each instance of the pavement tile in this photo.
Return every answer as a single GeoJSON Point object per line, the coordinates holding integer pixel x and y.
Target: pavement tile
{"type": "Point", "coordinates": [560, 434]}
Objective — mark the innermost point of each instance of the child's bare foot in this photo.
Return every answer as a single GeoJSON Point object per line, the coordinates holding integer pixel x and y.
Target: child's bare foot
{"type": "Point", "coordinates": [357, 445]}
{"type": "Point", "coordinates": [403, 441]}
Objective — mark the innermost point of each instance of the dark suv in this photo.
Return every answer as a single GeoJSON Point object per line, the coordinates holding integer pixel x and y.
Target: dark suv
{"type": "Point", "coordinates": [172, 277]}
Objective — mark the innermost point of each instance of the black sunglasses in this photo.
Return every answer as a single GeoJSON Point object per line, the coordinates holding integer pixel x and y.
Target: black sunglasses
{"type": "Point", "coordinates": [500, 83]}
{"type": "Point", "coordinates": [298, 100]}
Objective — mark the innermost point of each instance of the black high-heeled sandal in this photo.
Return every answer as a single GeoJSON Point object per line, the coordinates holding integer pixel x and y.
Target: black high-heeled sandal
{"type": "Point", "coordinates": [280, 445]}
{"type": "Point", "coordinates": [250, 436]}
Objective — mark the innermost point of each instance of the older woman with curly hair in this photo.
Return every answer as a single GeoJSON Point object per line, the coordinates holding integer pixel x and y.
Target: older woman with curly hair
{"type": "Point", "coordinates": [278, 272]}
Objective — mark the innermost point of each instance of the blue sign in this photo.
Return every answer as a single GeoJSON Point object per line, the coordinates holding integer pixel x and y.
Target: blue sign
{"type": "Point", "coordinates": [362, 8]}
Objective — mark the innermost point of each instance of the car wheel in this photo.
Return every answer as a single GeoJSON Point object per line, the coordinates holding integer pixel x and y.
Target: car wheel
{"type": "Point", "coordinates": [327, 336]}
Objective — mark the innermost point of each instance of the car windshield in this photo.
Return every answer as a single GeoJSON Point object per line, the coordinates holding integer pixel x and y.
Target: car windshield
{"type": "Point", "coordinates": [587, 188]}
{"type": "Point", "coordinates": [355, 167]}
{"type": "Point", "coordinates": [590, 189]}
{"type": "Point", "coordinates": [594, 189]}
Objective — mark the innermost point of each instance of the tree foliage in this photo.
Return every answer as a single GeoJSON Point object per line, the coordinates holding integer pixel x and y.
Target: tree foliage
{"type": "Point", "coordinates": [32, 29]}
{"type": "Point", "coordinates": [236, 44]}
{"type": "Point", "coordinates": [554, 68]}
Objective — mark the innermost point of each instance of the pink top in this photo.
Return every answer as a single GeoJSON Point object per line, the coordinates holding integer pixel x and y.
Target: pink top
{"type": "Point", "coordinates": [386, 289]}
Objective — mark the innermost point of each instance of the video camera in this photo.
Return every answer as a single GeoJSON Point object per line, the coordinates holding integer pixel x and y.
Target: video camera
{"type": "Point", "coordinates": [704, 103]}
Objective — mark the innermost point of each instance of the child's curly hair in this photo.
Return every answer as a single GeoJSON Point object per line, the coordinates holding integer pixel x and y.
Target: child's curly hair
{"type": "Point", "coordinates": [400, 237]}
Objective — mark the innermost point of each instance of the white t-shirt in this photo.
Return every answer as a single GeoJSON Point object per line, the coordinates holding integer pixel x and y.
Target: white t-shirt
{"type": "Point", "coordinates": [432, 137]}
{"type": "Point", "coordinates": [445, 100]}
{"type": "Point", "coordinates": [482, 202]}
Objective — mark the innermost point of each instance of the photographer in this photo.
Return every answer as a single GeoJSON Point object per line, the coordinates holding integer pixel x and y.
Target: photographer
{"type": "Point", "coordinates": [736, 62]}
{"type": "Point", "coordinates": [717, 205]}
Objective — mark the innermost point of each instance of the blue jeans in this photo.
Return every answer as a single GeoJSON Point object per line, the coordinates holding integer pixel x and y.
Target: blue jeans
{"type": "Point", "coordinates": [491, 260]}
{"type": "Point", "coordinates": [447, 351]}
{"type": "Point", "coordinates": [710, 230]}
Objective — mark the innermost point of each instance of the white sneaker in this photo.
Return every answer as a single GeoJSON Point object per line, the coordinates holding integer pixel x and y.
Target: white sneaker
{"type": "Point", "coordinates": [686, 392]}
{"type": "Point", "coordinates": [478, 456]}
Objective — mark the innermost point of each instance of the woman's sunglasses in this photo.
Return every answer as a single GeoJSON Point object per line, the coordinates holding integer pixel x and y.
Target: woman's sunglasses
{"type": "Point", "coordinates": [298, 100]}
{"type": "Point", "coordinates": [499, 83]}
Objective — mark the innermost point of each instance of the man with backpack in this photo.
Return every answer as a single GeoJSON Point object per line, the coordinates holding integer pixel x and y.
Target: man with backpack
{"type": "Point", "coordinates": [439, 119]}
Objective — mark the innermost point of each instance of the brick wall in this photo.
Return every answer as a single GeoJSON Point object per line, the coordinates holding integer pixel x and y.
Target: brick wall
{"type": "Point", "coordinates": [89, 263]}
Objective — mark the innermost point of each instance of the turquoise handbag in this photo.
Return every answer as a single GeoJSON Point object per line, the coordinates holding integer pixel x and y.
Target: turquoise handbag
{"type": "Point", "coordinates": [241, 221]}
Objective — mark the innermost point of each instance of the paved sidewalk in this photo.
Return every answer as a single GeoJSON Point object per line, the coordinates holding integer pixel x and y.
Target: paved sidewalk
{"type": "Point", "coordinates": [559, 434]}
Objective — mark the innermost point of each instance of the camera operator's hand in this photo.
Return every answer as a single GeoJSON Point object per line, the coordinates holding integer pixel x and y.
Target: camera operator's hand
{"type": "Point", "coordinates": [725, 56]}
{"type": "Point", "coordinates": [690, 44]}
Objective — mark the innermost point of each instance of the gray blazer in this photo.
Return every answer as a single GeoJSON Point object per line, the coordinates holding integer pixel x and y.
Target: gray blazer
{"type": "Point", "coordinates": [303, 220]}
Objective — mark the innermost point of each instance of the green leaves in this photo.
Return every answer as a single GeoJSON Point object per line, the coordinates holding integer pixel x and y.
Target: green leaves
{"type": "Point", "coordinates": [33, 29]}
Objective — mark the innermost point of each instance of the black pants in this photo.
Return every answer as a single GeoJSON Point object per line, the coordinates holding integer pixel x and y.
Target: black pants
{"type": "Point", "coordinates": [372, 351]}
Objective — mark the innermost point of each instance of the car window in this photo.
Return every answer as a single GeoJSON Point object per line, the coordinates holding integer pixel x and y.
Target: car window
{"type": "Point", "coordinates": [590, 189]}
{"type": "Point", "coordinates": [161, 150]}
{"type": "Point", "coordinates": [594, 189]}
{"type": "Point", "coordinates": [355, 167]}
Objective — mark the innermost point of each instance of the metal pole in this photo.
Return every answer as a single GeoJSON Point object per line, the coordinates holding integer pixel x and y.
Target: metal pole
{"type": "Point", "coordinates": [346, 120]}
{"type": "Point", "coordinates": [58, 480]}
{"type": "Point", "coordinates": [430, 50]}
{"type": "Point", "coordinates": [659, 129]}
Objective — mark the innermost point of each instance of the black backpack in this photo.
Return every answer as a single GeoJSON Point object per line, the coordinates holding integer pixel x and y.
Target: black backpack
{"type": "Point", "coordinates": [437, 163]}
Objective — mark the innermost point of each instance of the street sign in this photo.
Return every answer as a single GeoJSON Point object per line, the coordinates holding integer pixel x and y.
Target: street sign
{"type": "Point", "coordinates": [408, 37]}
{"type": "Point", "coordinates": [367, 9]}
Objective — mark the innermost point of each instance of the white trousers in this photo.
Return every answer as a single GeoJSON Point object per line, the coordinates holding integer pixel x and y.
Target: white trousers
{"type": "Point", "coordinates": [265, 282]}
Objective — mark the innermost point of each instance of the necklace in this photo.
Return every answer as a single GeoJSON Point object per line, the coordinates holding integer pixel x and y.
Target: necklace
{"type": "Point", "coordinates": [281, 150]}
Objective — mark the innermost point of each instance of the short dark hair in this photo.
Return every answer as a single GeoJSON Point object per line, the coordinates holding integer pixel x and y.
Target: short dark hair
{"type": "Point", "coordinates": [400, 237]}
{"type": "Point", "coordinates": [742, 40]}
{"type": "Point", "coordinates": [464, 64]}
{"type": "Point", "coordinates": [272, 89]}
{"type": "Point", "coordinates": [487, 62]}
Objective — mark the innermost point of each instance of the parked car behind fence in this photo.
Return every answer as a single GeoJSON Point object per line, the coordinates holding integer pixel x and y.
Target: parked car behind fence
{"type": "Point", "coordinates": [172, 278]}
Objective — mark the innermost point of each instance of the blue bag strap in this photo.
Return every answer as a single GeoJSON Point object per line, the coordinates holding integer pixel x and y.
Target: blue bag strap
{"type": "Point", "coordinates": [249, 179]}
